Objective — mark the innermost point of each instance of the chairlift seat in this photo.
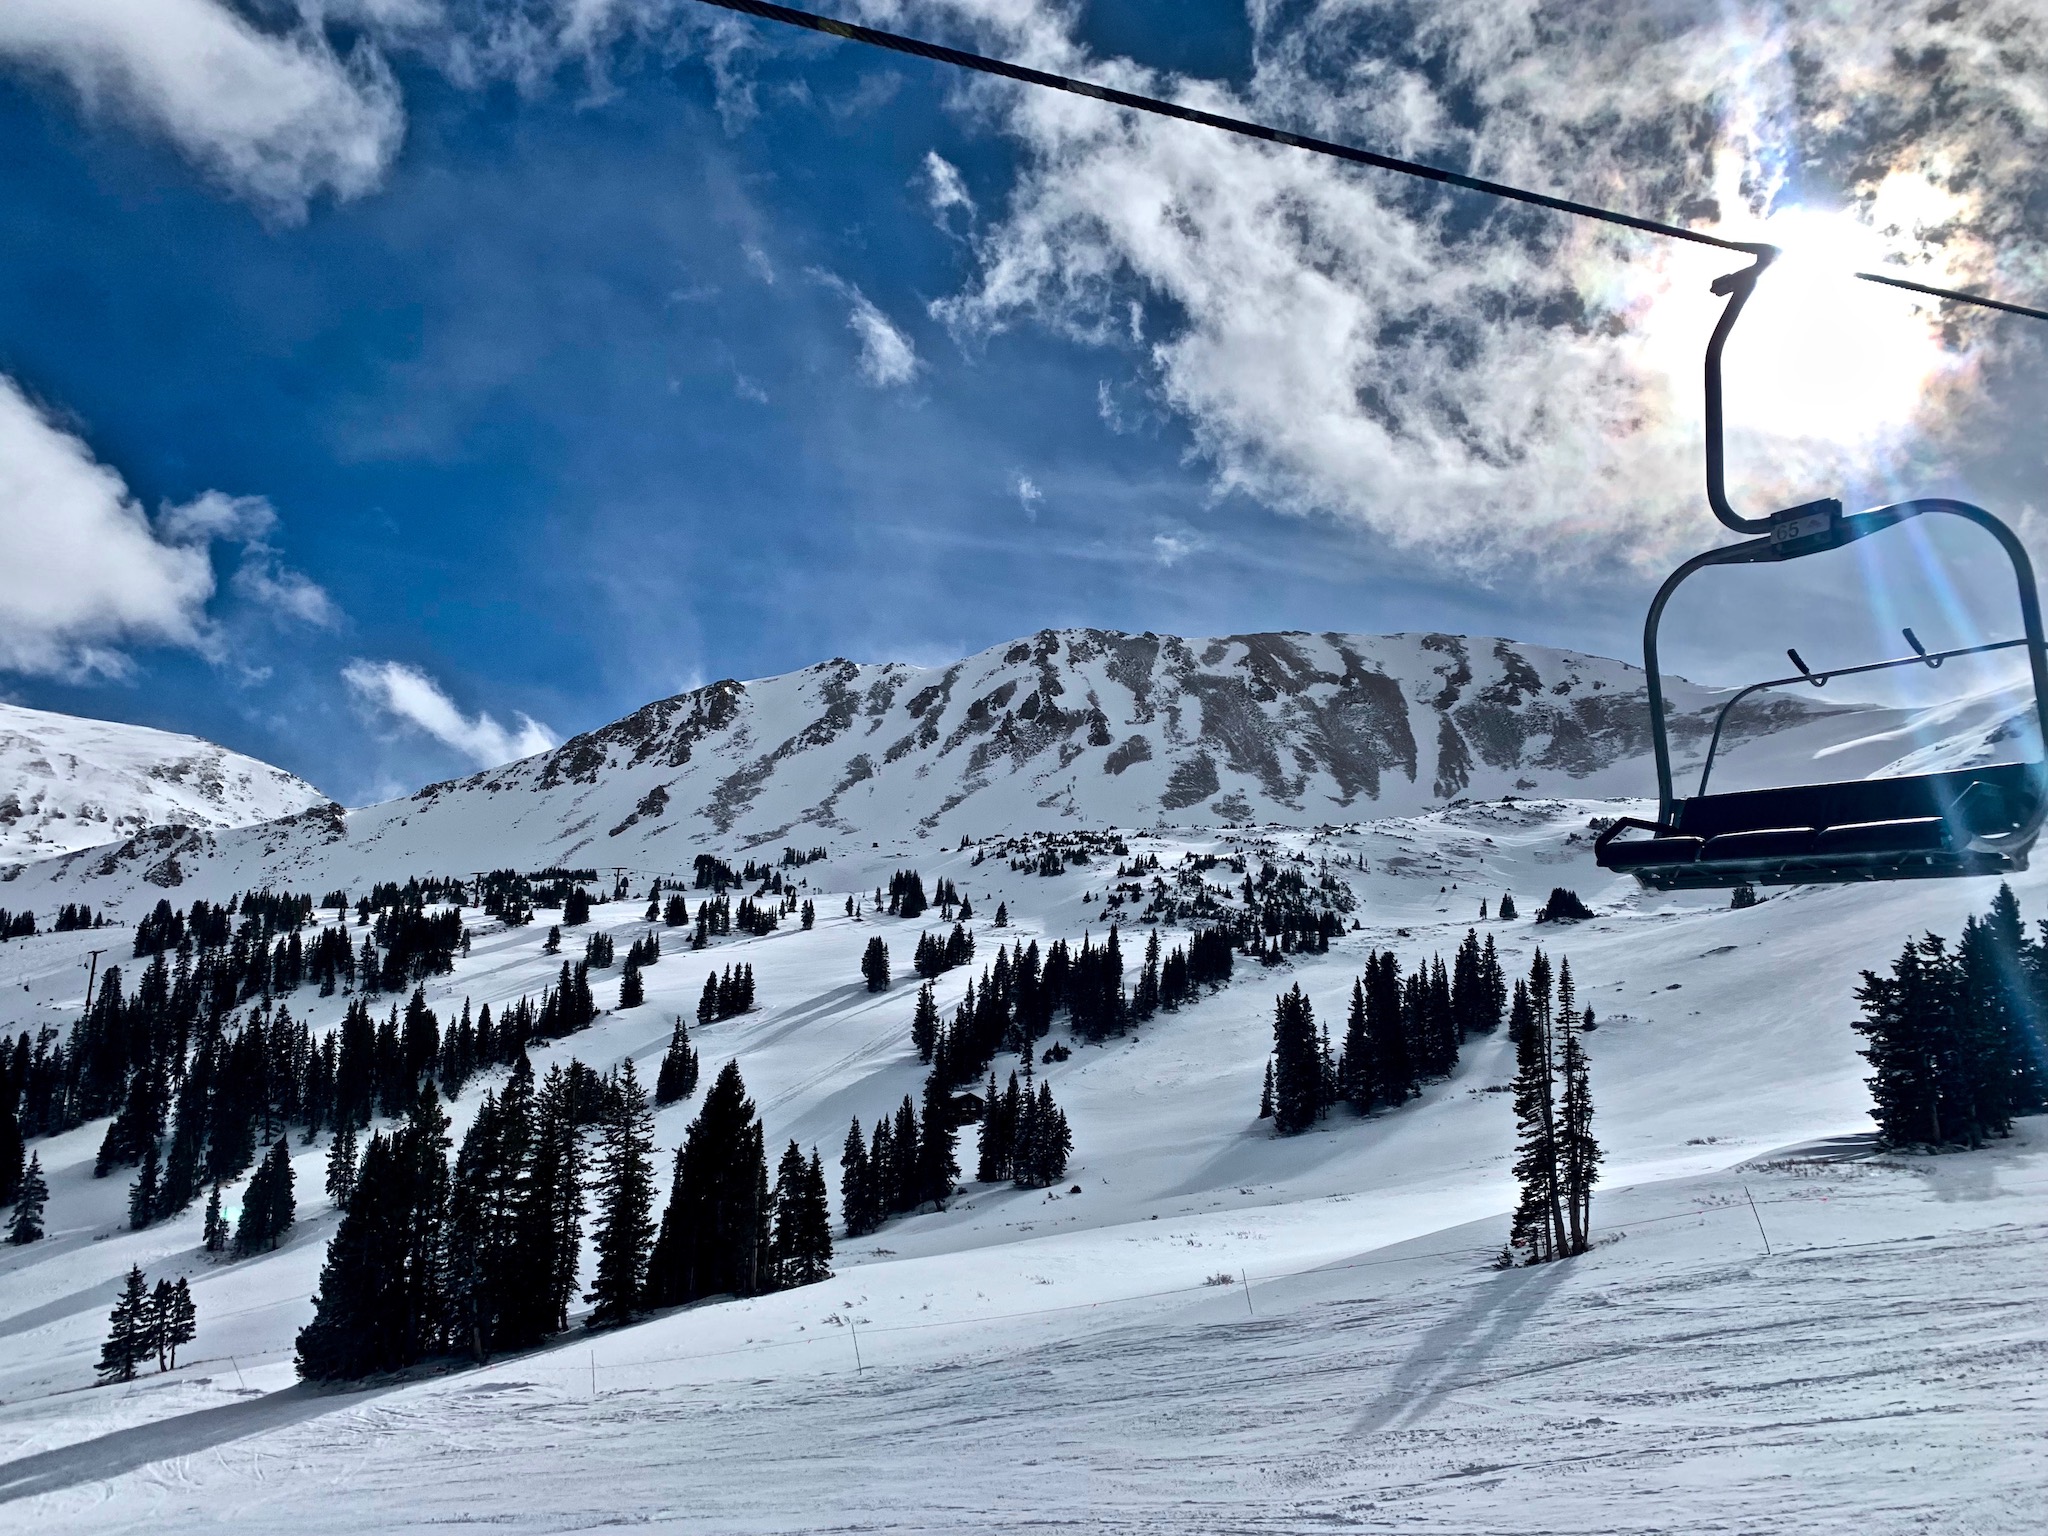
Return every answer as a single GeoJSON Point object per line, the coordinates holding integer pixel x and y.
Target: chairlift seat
{"type": "Point", "coordinates": [1918, 827]}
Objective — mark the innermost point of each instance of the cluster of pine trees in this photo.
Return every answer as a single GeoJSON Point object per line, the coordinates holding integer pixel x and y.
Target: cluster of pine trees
{"type": "Point", "coordinates": [147, 1322]}
{"type": "Point", "coordinates": [17, 925]}
{"type": "Point", "coordinates": [677, 1079]}
{"type": "Point", "coordinates": [1024, 1135]}
{"type": "Point", "coordinates": [1557, 1159]}
{"type": "Point", "coordinates": [935, 956]}
{"type": "Point", "coordinates": [1400, 1032]}
{"type": "Point", "coordinates": [714, 921]}
{"type": "Point", "coordinates": [727, 994]}
{"type": "Point", "coordinates": [906, 894]}
{"type": "Point", "coordinates": [75, 917]}
{"type": "Point", "coordinates": [909, 1162]}
{"type": "Point", "coordinates": [1956, 1043]}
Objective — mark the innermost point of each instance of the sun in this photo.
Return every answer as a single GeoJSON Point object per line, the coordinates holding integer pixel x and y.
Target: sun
{"type": "Point", "coordinates": [1820, 361]}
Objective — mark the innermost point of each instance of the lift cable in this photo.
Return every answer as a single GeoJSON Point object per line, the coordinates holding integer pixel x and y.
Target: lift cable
{"type": "Point", "coordinates": [874, 37]}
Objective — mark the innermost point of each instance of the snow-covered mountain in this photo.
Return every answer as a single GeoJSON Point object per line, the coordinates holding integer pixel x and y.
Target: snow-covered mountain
{"type": "Point", "coordinates": [68, 783]}
{"type": "Point", "coordinates": [1066, 729]}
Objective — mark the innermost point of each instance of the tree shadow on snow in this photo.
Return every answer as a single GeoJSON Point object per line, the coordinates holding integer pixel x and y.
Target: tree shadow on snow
{"type": "Point", "coordinates": [187, 1434]}
{"type": "Point", "coordinates": [1447, 1357]}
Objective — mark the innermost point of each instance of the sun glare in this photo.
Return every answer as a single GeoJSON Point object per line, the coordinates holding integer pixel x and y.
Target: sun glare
{"type": "Point", "coordinates": [1819, 358]}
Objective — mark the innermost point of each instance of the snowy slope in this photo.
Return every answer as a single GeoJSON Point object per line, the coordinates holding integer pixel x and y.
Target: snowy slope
{"type": "Point", "coordinates": [1065, 1359]}
{"type": "Point", "coordinates": [68, 783]}
{"type": "Point", "coordinates": [1079, 728]}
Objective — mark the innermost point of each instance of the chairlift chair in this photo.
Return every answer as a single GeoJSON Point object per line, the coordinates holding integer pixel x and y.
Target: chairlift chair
{"type": "Point", "coordinates": [1965, 821]}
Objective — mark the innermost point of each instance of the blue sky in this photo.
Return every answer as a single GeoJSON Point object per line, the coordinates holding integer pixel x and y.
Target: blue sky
{"type": "Point", "coordinates": [627, 380]}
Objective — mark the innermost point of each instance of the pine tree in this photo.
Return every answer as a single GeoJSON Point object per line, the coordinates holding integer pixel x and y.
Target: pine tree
{"type": "Point", "coordinates": [924, 1023]}
{"type": "Point", "coordinates": [1266, 1093]}
{"type": "Point", "coordinates": [267, 1205]}
{"type": "Point", "coordinates": [128, 1330]}
{"type": "Point", "coordinates": [1297, 1064]}
{"type": "Point", "coordinates": [484, 1264]}
{"type": "Point", "coordinates": [145, 1197]}
{"type": "Point", "coordinates": [1355, 1073]}
{"type": "Point", "coordinates": [625, 1220]}
{"type": "Point", "coordinates": [1538, 1231]}
{"type": "Point", "coordinates": [677, 1079]}
{"type": "Point", "coordinates": [1044, 1141]}
{"type": "Point", "coordinates": [1507, 909]}
{"type": "Point", "coordinates": [874, 965]}
{"type": "Point", "coordinates": [215, 1229]}
{"type": "Point", "coordinates": [803, 1221]}
{"type": "Point", "coordinates": [1578, 1151]}
{"type": "Point", "coordinates": [26, 1225]}
{"type": "Point", "coordinates": [632, 991]}
{"type": "Point", "coordinates": [178, 1323]}
{"type": "Point", "coordinates": [13, 1150]}
{"type": "Point", "coordinates": [341, 1167]}
{"type": "Point", "coordinates": [715, 1231]}
{"type": "Point", "coordinates": [162, 1305]}
{"type": "Point", "coordinates": [547, 1218]}
{"type": "Point", "coordinates": [857, 1207]}
{"type": "Point", "coordinates": [937, 1164]}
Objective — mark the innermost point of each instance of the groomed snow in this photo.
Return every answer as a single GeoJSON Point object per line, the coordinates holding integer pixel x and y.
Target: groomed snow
{"type": "Point", "coordinates": [1059, 1359]}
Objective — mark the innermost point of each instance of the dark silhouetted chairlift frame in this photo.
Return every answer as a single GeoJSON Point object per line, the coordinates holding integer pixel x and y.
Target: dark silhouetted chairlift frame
{"type": "Point", "coordinates": [1966, 821]}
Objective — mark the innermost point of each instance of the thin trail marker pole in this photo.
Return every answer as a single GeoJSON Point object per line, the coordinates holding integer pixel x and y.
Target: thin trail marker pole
{"type": "Point", "coordinates": [593, 1375]}
{"type": "Point", "coordinates": [1246, 1276]}
{"type": "Point", "coordinates": [238, 1373]}
{"type": "Point", "coordinates": [859, 1369]}
{"type": "Point", "coordinates": [1760, 1232]}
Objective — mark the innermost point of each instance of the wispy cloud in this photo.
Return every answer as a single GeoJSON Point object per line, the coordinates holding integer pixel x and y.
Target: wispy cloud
{"type": "Point", "coordinates": [278, 118]}
{"type": "Point", "coordinates": [1029, 496]}
{"type": "Point", "coordinates": [409, 696]}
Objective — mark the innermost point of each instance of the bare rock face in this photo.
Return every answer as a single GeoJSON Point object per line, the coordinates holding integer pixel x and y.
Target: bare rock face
{"type": "Point", "coordinates": [1067, 728]}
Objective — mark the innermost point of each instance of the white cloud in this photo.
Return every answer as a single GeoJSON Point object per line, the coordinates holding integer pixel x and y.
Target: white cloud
{"type": "Point", "coordinates": [887, 357]}
{"type": "Point", "coordinates": [1029, 496]}
{"type": "Point", "coordinates": [1497, 385]}
{"type": "Point", "coordinates": [944, 189]}
{"type": "Point", "coordinates": [412, 697]}
{"type": "Point", "coordinates": [85, 573]}
{"type": "Point", "coordinates": [261, 578]}
{"type": "Point", "coordinates": [279, 119]}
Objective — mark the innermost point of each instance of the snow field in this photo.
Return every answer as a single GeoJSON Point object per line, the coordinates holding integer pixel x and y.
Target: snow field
{"type": "Point", "coordinates": [1047, 1357]}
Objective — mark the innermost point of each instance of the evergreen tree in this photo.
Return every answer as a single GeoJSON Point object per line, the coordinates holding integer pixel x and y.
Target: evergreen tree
{"type": "Point", "coordinates": [341, 1167]}
{"type": "Point", "coordinates": [547, 1218]}
{"type": "Point", "coordinates": [177, 1322]}
{"type": "Point", "coordinates": [715, 1232]}
{"type": "Point", "coordinates": [162, 1304]}
{"type": "Point", "coordinates": [1507, 909]}
{"type": "Point", "coordinates": [13, 1150]}
{"type": "Point", "coordinates": [937, 1164]}
{"type": "Point", "coordinates": [381, 1305]}
{"type": "Point", "coordinates": [1297, 1064]}
{"type": "Point", "coordinates": [1355, 1073]}
{"type": "Point", "coordinates": [874, 965]}
{"type": "Point", "coordinates": [632, 991]}
{"type": "Point", "coordinates": [677, 1079]}
{"type": "Point", "coordinates": [625, 1219]}
{"type": "Point", "coordinates": [484, 1264]}
{"type": "Point", "coordinates": [215, 1229]}
{"type": "Point", "coordinates": [924, 1023]}
{"type": "Point", "coordinates": [267, 1205]}
{"type": "Point", "coordinates": [145, 1196]}
{"type": "Point", "coordinates": [1266, 1093]}
{"type": "Point", "coordinates": [1044, 1141]}
{"type": "Point", "coordinates": [26, 1225]}
{"type": "Point", "coordinates": [1578, 1152]}
{"type": "Point", "coordinates": [803, 1221]}
{"type": "Point", "coordinates": [1538, 1232]}
{"type": "Point", "coordinates": [857, 1204]}
{"type": "Point", "coordinates": [128, 1330]}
